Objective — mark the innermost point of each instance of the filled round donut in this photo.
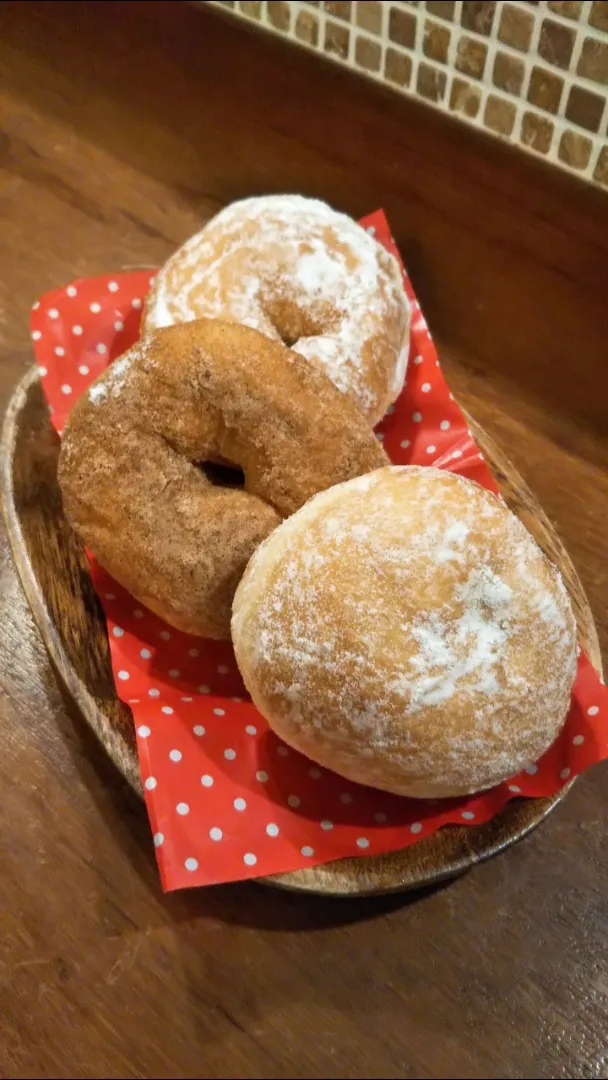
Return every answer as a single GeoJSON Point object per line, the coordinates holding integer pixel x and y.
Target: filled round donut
{"type": "Point", "coordinates": [303, 274]}
{"type": "Point", "coordinates": [405, 630]}
{"type": "Point", "coordinates": [144, 454]}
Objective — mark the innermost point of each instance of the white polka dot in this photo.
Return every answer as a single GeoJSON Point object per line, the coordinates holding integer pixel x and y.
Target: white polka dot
{"type": "Point", "coordinates": [416, 827]}
{"type": "Point", "coordinates": [362, 842]}
{"type": "Point", "coordinates": [456, 453]}
{"type": "Point", "coordinates": [417, 417]}
{"type": "Point", "coordinates": [83, 369]}
{"type": "Point", "coordinates": [307, 851]}
{"type": "Point", "coordinates": [206, 780]}
{"type": "Point", "coordinates": [113, 286]}
{"type": "Point", "coordinates": [36, 335]}
{"type": "Point", "coordinates": [150, 783]}
{"type": "Point", "coordinates": [198, 729]}
{"type": "Point", "coordinates": [143, 731]}
{"type": "Point", "coordinates": [167, 710]}
{"type": "Point", "coordinates": [238, 700]}
{"type": "Point", "coordinates": [219, 712]}
{"type": "Point", "coordinates": [426, 386]}
{"type": "Point", "coordinates": [42, 371]}
{"type": "Point", "coordinates": [564, 774]}
{"type": "Point", "coordinates": [136, 303]}
{"type": "Point", "coordinates": [272, 829]}
{"type": "Point", "coordinates": [174, 673]}
{"type": "Point", "coordinates": [404, 445]}
{"type": "Point", "coordinates": [159, 839]}
{"type": "Point", "coordinates": [95, 307]}
{"type": "Point", "coordinates": [66, 389]}
{"type": "Point", "coordinates": [186, 699]}
{"type": "Point", "coordinates": [59, 350]}
{"type": "Point", "coordinates": [77, 330]}
{"type": "Point", "coordinates": [346, 798]}
{"type": "Point", "coordinates": [251, 730]}
{"type": "Point", "coordinates": [215, 833]}
{"type": "Point", "coordinates": [431, 449]}
{"type": "Point", "coordinates": [445, 425]}
{"type": "Point", "coordinates": [191, 864]}
{"type": "Point", "coordinates": [133, 700]}
{"type": "Point", "coordinates": [240, 804]}
{"type": "Point", "coordinates": [578, 739]}
{"type": "Point", "coordinates": [223, 669]}
{"type": "Point", "coordinates": [118, 631]}
{"type": "Point", "coordinates": [380, 818]}
{"type": "Point", "coordinates": [203, 689]}
{"type": "Point", "coordinates": [119, 325]}
{"type": "Point", "coordinates": [250, 859]}
{"type": "Point", "coordinates": [101, 348]}
{"type": "Point", "coordinates": [314, 773]}
{"type": "Point", "coordinates": [230, 754]}
{"type": "Point", "coordinates": [109, 596]}
{"type": "Point", "coordinates": [468, 815]}
{"type": "Point", "coordinates": [262, 776]}
{"type": "Point", "coordinates": [282, 751]}
{"type": "Point", "coordinates": [71, 290]}
{"type": "Point", "coordinates": [175, 755]}
{"type": "Point", "coordinates": [293, 801]}
{"type": "Point", "coordinates": [165, 635]}
{"type": "Point", "coordinates": [153, 692]}
{"type": "Point", "coordinates": [417, 359]}
{"type": "Point", "coordinates": [145, 654]}
{"type": "Point", "coordinates": [192, 652]}
{"type": "Point", "coordinates": [35, 305]}
{"type": "Point", "coordinates": [531, 769]}
{"type": "Point", "coordinates": [124, 675]}
{"type": "Point", "coordinates": [593, 710]}
{"type": "Point", "coordinates": [327, 825]}
{"type": "Point", "coordinates": [514, 788]}
{"type": "Point", "coordinates": [53, 313]}
{"type": "Point", "coordinates": [182, 808]}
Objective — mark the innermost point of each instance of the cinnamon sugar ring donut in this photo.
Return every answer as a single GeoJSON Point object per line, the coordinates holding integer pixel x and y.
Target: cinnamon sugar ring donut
{"type": "Point", "coordinates": [130, 467]}
{"type": "Point", "coordinates": [303, 274]}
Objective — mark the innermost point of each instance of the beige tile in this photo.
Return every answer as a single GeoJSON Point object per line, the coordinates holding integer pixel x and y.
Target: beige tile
{"type": "Point", "coordinates": [465, 97]}
{"type": "Point", "coordinates": [252, 8]}
{"type": "Point", "coordinates": [471, 57]}
{"type": "Point", "coordinates": [508, 73]}
{"type": "Point", "coordinates": [307, 27]}
{"type": "Point", "coordinates": [478, 15]}
{"type": "Point", "coordinates": [444, 9]}
{"type": "Point", "coordinates": [545, 89]}
{"type": "Point", "coordinates": [575, 149]}
{"type": "Point", "coordinates": [431, 82]}
{"type": "Point", "coordinates": [537, 132]}
{"type": "Point", "coordinates": [556, 43]}
{"type": "Point", "coordinates": [585, 108]}
{"type": "Point", "coordinates": [593, 61]}
{"type": "Point", "coordinates": [340, 9]}
{"type": "Point", "coordinates": [402, 27]}
{"type": "Point", "coordinates": [398, 67]}
{"type": "Point", "coordinates": [601, 169]}
{"type": "Point", "coordinates": [279, 14]}
{"type": "Point", "coordinates": [369, 15]}
{"type": "Point", "coordinates": [337, 39]}
{"type": "Point", "coordinates": [499, 115]}
{"type": "Point", "coordinates": [598, 16]}
{"type": "Point", "coordinates": [570, 9]}
{"type": "Point", "coordinates": [368, 53]}
{"type": "Point", "coordinates": [436, 41]}
{"type": "Point", "coordinates": [516, 27]}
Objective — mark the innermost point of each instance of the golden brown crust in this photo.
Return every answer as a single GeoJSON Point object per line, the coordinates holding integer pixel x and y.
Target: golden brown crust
{"type": "Point", "coordinates": [202, 391]}
{"type": "Point", "coordinates": [405, 630]}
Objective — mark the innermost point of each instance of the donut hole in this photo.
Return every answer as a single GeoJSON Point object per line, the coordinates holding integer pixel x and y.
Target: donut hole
{"type": "Point", "coordinates": [294, 318]}
{"type": "Point", "coordinates": [222, 474]}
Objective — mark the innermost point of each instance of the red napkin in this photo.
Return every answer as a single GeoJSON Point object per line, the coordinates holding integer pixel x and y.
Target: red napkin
{"type": "Point", "coordinates": [226, 798]}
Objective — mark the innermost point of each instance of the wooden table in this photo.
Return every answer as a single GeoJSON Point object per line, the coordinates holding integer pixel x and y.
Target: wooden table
{"type": "Point", "coordinates": [123, 127]}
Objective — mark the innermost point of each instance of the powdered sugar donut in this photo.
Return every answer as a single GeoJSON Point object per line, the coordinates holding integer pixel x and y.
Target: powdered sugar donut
{"type": "Point", "coordinates": [303, 274]}
{"type": "Point", "coordinates": [405, 630]}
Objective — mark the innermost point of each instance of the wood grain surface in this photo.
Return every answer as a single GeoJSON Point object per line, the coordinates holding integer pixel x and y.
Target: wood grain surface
{"type": "Point", "coordinates": [53, 570]}
{"type": "Point", "coordinates": [122, 127]}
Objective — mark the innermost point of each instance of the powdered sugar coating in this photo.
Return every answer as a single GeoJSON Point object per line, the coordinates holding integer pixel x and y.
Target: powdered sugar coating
{"type": "Point", "coordinates": [405, 630]}
{"type": "Point", "coordinates": [300, 272]}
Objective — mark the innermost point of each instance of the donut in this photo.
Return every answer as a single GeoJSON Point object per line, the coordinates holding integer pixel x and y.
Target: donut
{"type": "Point", "coordinates": [303, 274]}
{"type": "Point", "coordinates": [405, 630]}
{"type": "Point", "coordinates": [143, 462]}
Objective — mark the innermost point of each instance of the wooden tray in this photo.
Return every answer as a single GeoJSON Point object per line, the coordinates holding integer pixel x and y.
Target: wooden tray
{"type": "Point", "coordinates": [55, 576]}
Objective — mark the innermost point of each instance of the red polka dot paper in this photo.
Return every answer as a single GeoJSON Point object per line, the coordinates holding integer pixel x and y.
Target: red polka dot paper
{"type": "Point", "coordinates": [226, 799]}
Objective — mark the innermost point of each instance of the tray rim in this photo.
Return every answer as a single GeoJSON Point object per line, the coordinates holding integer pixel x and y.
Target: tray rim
{"type": "Point", "coordinates": [308, 880]}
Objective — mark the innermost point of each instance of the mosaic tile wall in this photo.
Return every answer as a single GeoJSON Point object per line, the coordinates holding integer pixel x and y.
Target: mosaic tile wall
{"type": "Point", "coordinates": [535, 74]}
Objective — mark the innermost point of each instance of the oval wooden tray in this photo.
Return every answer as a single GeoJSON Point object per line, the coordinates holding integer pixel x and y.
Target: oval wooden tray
{"type": "Point", "coordinates": [55, 576]}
